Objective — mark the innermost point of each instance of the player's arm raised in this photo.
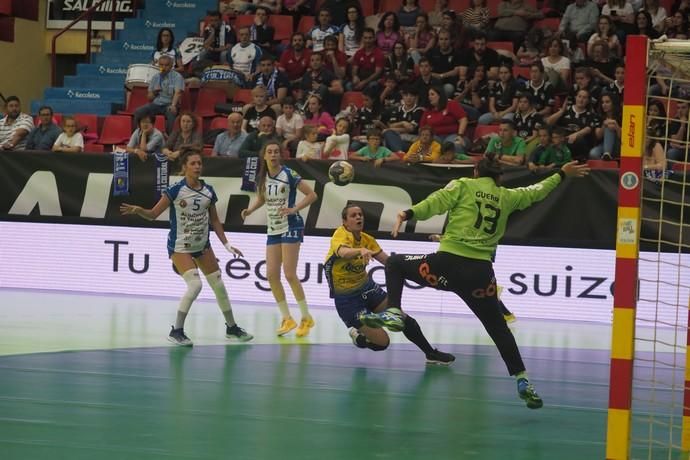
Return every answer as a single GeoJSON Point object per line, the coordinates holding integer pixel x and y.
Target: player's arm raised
{"type": "Point", "coordinates": [148, 214]}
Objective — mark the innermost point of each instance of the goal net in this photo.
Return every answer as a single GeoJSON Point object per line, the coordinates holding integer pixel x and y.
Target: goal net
{"type": "Point", "coordinates": [649, 398]}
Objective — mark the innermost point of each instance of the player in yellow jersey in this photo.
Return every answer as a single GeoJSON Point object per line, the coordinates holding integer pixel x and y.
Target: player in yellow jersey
{"type": "Point", "coordinates": [355, 292]}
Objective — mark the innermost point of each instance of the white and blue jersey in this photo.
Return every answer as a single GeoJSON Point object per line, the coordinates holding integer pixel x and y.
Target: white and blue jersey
{"type": "Point", "coordinates": [244, 59]}
{"type": "Point", "coordinates": [189, 217]}
{"type": "Point", "coordinates": [281, 192]}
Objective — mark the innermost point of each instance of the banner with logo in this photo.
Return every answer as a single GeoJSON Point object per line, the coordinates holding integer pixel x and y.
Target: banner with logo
{"type": "Point", "coordinates": [76, 188]}
{"type": "Point", "coordinates": [62, 12]}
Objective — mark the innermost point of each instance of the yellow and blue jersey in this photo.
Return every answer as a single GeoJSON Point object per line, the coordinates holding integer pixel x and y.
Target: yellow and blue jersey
{"type": "Point", "coordinates": [347, 276]}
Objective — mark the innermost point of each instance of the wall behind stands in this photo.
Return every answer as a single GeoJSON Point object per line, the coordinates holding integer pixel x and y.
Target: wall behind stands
{"type": "Point", "coordinates": [29, 65]}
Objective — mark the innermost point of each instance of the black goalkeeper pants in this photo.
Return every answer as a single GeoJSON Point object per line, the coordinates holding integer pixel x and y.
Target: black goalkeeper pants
{"type": "Point", "coordinates": [472, 280]}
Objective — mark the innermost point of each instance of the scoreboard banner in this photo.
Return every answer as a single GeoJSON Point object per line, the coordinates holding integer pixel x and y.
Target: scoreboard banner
{"type": "Point", "coordinates": [77, 188]}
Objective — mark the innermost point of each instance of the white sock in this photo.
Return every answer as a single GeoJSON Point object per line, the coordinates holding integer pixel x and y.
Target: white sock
{"type": "Point", "coordinates": [303, 308]}
{"type": "Point", "coordinates": [284, 310]}
{"type": "Point", "coordinates": [216, 282]}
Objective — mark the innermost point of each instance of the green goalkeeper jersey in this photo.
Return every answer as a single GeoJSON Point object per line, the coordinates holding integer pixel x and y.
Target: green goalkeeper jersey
{"type": "Point", "coordinates": [478, 211]}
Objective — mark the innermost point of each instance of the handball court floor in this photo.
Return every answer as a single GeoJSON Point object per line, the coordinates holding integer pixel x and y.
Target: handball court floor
{"type": "Point", "coordinates": [93, 377]}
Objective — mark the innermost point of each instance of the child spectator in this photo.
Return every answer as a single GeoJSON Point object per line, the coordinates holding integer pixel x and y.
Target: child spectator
{"type": "Point", "coordinates": [289, 125]}
{"type": "Point", "coordinates": [309, 148]}
{"type": "Point", "coordinates": [338, 144]}
{"type": "Point", "coordinates": [70, 140]}
{"type": "Point", "coordinates": [374, 151]}
{"type": "Point", "coordinates": [449, 155]}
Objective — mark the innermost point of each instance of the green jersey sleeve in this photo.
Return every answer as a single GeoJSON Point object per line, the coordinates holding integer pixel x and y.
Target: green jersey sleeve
{"type": "Point", "coordinates": [439, 202]}
{"type": "Point", "coordinates": [523, 197]}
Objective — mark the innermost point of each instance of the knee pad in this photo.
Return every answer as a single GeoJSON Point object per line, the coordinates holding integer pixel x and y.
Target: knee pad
{"type": "Point", "coordinates": [191, 277]}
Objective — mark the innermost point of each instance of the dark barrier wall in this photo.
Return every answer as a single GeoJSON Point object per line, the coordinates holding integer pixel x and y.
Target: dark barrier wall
{"type": "Point", "coordinates": [77, 188]}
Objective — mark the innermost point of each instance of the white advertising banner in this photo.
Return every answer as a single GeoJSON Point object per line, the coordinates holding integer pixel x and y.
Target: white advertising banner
{"type": "Point", "coordinates": [539, 282]}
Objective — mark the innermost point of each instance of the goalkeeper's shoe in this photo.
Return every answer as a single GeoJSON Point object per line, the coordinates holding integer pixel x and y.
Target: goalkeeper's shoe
{"type": "Point", "coordinates": [529, 394]}
{"type": "Point", "coordinates": [439, 357]}
{"type": "Point", "coordinates": [390, 318]}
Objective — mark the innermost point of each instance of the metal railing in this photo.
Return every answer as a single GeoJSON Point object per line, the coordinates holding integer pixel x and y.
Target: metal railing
{"type": "Point", "coordinates": [88, 14]}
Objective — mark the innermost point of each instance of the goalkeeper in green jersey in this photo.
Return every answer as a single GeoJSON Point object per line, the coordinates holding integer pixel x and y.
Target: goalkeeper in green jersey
{"type": "Point", "coordinates": [478, 211]}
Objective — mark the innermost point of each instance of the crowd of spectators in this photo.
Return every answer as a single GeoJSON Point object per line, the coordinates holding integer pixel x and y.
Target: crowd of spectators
{"type": "Point", "coordinates": [427, 80]}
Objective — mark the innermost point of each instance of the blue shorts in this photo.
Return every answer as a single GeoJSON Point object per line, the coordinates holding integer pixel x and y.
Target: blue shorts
{"type": "Point", "coordinates": [367, 298]}
{"type": "Point", "coordinates": [293, 235]}
{"type": "Point", "coordinates": [193, 254]}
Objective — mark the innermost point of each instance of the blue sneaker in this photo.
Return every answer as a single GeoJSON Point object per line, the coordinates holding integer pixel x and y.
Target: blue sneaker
{"type": "Point", "coordinates": [529, 394]}
{"type": "Point", "coordinates": [390, 318]}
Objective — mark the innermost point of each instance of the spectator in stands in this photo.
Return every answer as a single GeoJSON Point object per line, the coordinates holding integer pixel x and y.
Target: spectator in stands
{"type": "Point", "coordinates": [618, 84]}
{"type": "Point", "coordinates": [15, 126]}
{"type": "Point", "coordinates": [289, 125]}
{"type": "Point", "coordinates": [451, 23]}
{"type": "Point", "coordinates": [656, 118]}
{"type": "Point", "coordinates": [643, 25]}
{"type": "Point", "coordinates": [422, 39]}
{"type": "Point", "coordinates": [450, 156]}
{"type": "Point", "coordinates": [70, 140]}
{"type": "Point", "coordinates": [260, 33]}
{"type": "Point", "coordinates": [678, 145]}
{"type": "Point", "coordinates": [309, 148]}
{"type": "Point", "coordinates": [579, 20]}
{"type": "Point", "coordinates": [508, 148]}
{"type": "Point", "coordinates": [254, 142]}
{"type": "Point", "coordinates": [165, 45]}
{"type": "Point", "coordinates": [274, 81]}
{"type": "Point", "coordinates": [338, 10]}
{"type": "Point", "coordinates": [186, 133]}
{"type": "Point", "coordinates": [337, 144]}
{"type": "Point", "coordinates": [447, 118]}
{"type": "Point", "coordinates": [479, 54]}
{"type": "Point", "coordinates": [244, 57]}
{"type": "Point", "coordinates": [445, 62]}
{"type": "Point", "coordinates": [555, 64]}
{"type": "Point", "coordinates": [580, 121]}
{"type": "Point", "coordinates": [146, 140]}
{"type": "Point", "coordinates": [257, 110]}
{"type": "Point", "coordinates": [540, 89]}
{"type": "Point", "coordinates": [218, 39]}
{"type": "Point", "coordinates": [334, 59]}
{"type": "Point", "coordinates": [584, 80]}
{"type": "Point", "coordinates": [323, 29]}
{"type": "Point", "coordinates": [374, 151]}
{"type": "Point", "coordinates": [367, 63]}
{"type": "Point", "coordinates": [677, 25]}
{"type": "Point", "coordinates": [528, 122]}
{"type": "Point", "coordinates": [165, 93]}
{"type": "Point", "coordinates": [390, 96]}
{"type": "Point", "coordinates": [320, 81]}
{"type": "Point", "coordinates": [399, 64]}
{"type": "Point", "coordinates": [408, 13]}
{"type": "Point", "coordinates": [436, 16]}
{"type": "Point", "coordinates": [294, 61]}
{"type": "Point", "coordinates": [514, 20]}
{"type": "Point", "coordinates": [366, 118]}
{"type": "Point", "coordinates": [657, 13]}
{"type": "Point", "coordinates": [602, 67]}
{"type": "Point", "coordinates": [622, 15]}
{"type": "Point", "coordinates": [403, 121]}
{"type": "Point", "coordinates": [680, 5]}
{"type": "Point", "coordinates": [476, 17]}
{"type": "Point", "coordinates": [557, 153]}
{"type": "Point", "coordinates": [316, 116]}
{"type": "Point", "coordinates": [425, 150]}
{"type": "Point", "coordinates": [388, 33]}
{"type": "Point", "coordinates": [424, 82]}
{"type": "Point", "coordinates": [43, 136]}
{"type": "Point", "coordinates": [544, 141]}
{"type": "Point", "coordinates": [608, 134]}
{"type": "Point", "coordinates": [654, 159]}
{"type": "Point", "coordinates": [532, 48]}
{"type": "Point", "coordinates": [502, 99]}
{"type": "Point", "coordinates": [606, 32]}
{"type": "Point", "coordinates": [350, 35]}
{"type": "Point", "coordinates": [229, 143]}
{"type": "Point", "coordinates": [473, 93]}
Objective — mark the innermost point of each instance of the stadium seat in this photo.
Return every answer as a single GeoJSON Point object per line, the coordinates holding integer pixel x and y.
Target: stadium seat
{"type": "Point", "coordinates": [88, 123]}
{"type": "Point", "coordinates": [208, 151]}
{"type": "Point", "coordinates": [482, 130]}
{"type": "Point", "coordinates": [681, 167]}
{"type": "Point", "coordinates": [218, 123]}
{"type": "Point", "coordinates": [137, 98]}
{"type": "Point", "coordinates": [208, 98]}
{"type": "Point", "coordinates": [117, 129]}
{"type": "Point", "coordinates": [243, 20]}
{"type": "Point", "coordinates": [548, 23]}
{"type": "Point", "coordinates": [283, 26]}
{"type": "Point", "coordinates": [493, 7]}
{"type": "Point", "coordinates": [159, 123]}
{"type": "Point", "coordinates": [458, 5]}
{"type": "Point", "coordinates": [306, 23]}
{"type": "Point", "coordinates": [602, 164]}
{"type": "Point", "coordinates": [427, 5]}
{"type": "Point", "coordinates": [390, 5]}
{"type": "Point", "coordinates": [352, 97]}
{"type": "Point", "coordinates": [242, 96]}
{"type": "Point", "coordinates": [506, 46]}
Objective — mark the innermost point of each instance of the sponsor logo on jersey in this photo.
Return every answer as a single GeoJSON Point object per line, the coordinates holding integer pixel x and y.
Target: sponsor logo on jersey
{"type": "Point", "coordinates": [183, 204]}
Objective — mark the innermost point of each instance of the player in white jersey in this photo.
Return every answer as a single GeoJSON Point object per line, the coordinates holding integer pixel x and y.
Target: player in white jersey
{"type": "Point", "coordinates": [244, 57]}
{"type": "Point", "coordinates": [277, 187]}
{"type": "Point", "coordinates": [192, 214]}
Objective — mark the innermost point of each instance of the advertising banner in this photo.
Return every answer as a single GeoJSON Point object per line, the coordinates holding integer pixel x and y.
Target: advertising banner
{"type": "Point", "coordinates": [62, 12]}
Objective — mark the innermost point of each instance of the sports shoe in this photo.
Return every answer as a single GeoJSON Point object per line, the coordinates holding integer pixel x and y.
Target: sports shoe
{"type": "Point", "coordinates": [439, 357]}
{"type": "Point", "coordinates": [178, 337]}
{"type": "Point", "coordinates": [237, 333]}
{"type": "Point", "coordinates": [390, 318]}
{"type": "Point", "coordinates": [529, 394]}
{"type": "Point", "coordinates": [304, 325]}
{"type": "Point", "coordinates": [286, 326]}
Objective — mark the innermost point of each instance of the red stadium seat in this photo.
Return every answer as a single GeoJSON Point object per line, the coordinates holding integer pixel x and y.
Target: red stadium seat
{"type": "Point", "coordinates": [390, 5]}
{"type": "Point", "coordinates": [493, 7]}
{"type": "Point", "coordinates": [681, 167]}
{"type": "Point", "coordinates": [117, 129]}
{"type": "Point", "coordinates": [427, 5]}
{"type": "Point", "coordinates": [208, 98]}
{"type": "Point", "coordinates": [243, 20]}
{"type": "Point", "coordinates": [159, 123]}
{"type": "Point", "coordinates": [602, 164]}
{"type": "Point", "coordinates": [88, 123]}
{"type": "Point", "coordinates": [506, 46]}
{"type": "Point", "coordinates": [352, 97]}
{"type": "Point", "coordinates": [548, 23]}
{"type": "Point", "coordinates": [208, 151]}
{"type": "Point", "coordinates": [137, 97]}
{"type": "Point", "coordinates": [458, 5]}
{"type": "Point", "coordinates": [482, 130]}
{"type": "Point", "coordinates": [218, 123]}
{"type": "Point", "coordinates": [306, 23]}
{"type": "Point", "coordinates": [242, 96]}
{"type": "Point", "coordinates": [283, 26]}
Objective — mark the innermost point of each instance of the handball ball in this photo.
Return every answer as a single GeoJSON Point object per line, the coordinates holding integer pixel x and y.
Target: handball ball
{"type": "Point", "coordinates": [341, 173]}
